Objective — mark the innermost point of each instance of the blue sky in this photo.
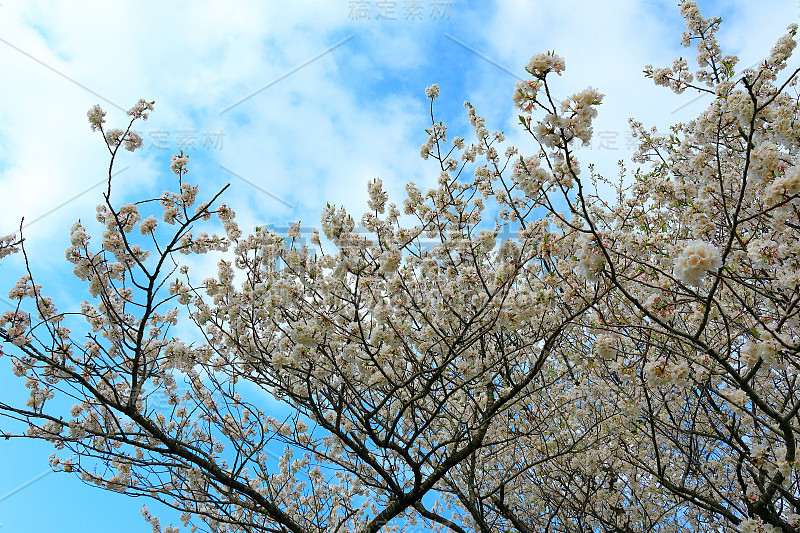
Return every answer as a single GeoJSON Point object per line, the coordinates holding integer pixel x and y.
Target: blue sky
{"type": "Point", "coordinates": [296, 105]}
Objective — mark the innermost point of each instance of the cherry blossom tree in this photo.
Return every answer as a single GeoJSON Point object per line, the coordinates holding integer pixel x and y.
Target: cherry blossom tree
{"type": "Point", "coordinates": [627, 363]}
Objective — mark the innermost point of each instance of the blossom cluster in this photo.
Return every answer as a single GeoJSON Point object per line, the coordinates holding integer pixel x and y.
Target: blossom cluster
{"type": "Point", "coordinates": [9, 244]}
{"type": "Point", "coordinates": [540, 64]}
{"type": "Point", "coordinates": [695, 261]}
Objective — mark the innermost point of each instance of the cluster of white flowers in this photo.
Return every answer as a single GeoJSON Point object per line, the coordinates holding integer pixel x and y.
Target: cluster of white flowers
{"type": "Point", "coordinates": [737, 397]}
{"type": "Point", "coordinates": [432, 91]}
{"type": "Point", "coordinates": [659, 304]}
{"type": "Point", "coordinates": [663, 373]}
{"type": "Point", "coordinates": [128, 217]}
{"type": "Point", "coordinates": [695, 261]}
{"type": "Point", "coordinates": [148, 225]}
{"type": "Point", "coordinates": [604, 346]}
{"type": "Point", "coordinates": [767, 162]}
{"type": "Point", "coordinates": [96, 117]}
{"type": "Point", "coordinates": [16, 325]}
{"type": "Point", "coordinates": [436, 133]}
{"type": "Point", "coordinates": [676, 78]}
{"type": "Point", "coordinates": [579, 110]}
{"type": "Point", "coordinates": [170, 204]}
{"type": "Point", "coordinates": [9, 244]}
{"type": "Point", "coordinates": [763, 253]}
{"type": "Point", "coordinates": [540, 64]}
{"type": "Point", "coordinates": [788, 185]}
{"type": "Point", "coordinates": [115, 137]}
{"type": "Point", "coordinates": [702, 225]}
{"type": "Point", "coordinates": [782, 50]}
{"type": "Point", "coordinates": [390, 260]}
{"type": "Point", "coordinates": [590, 259]}
{"type": "Point", "coordinates": [756, 525]}
{"type": "Point", "coordinates": [574, 121]}
{"type": "Point", "coordinates": [227, 217]}
{"type": "Point", "coordinates": [139, 111]}
{"type": "Point", "coordinates": [525, 94]}
{"type": "Point", "coordinates": [766, 349]}
{"type": "Point", "coordinates": [377, 196]}
{"type": "Point", "coordinates": [179, 163]}
{"type": "Point", "coordinates": [131, 139]}
{"type": "Point", "coordinates": [528, 175]}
